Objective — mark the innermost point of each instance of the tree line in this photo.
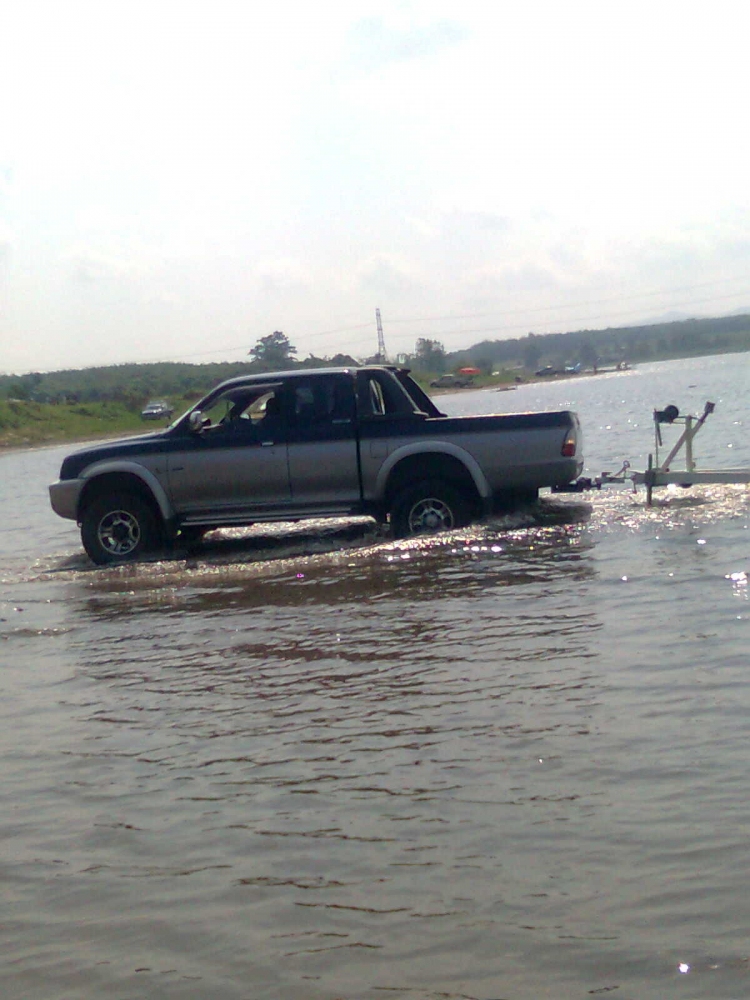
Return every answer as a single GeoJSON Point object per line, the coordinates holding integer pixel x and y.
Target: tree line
{"type": "Point", "coordinates": [133, 384]}
{"type": "Point", "coordinates": [591, 348]}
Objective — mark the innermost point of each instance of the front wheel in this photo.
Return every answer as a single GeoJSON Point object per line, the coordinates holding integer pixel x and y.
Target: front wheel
{"type": "Point", "coordinates": [118, 527]}
{"type": "Point", "coordinates": [429, 507]}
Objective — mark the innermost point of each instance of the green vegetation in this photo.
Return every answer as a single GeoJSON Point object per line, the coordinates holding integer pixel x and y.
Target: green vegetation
{"type": "Point", "coordinates": [37, 408]}
{"type": "Point", "coordinates": [131, 385]}
{"type": "Point", "coordinates": [24, 423]}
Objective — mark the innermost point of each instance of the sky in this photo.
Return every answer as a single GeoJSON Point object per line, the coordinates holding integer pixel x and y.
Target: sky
{"type": "Point", "coordinates": [179, 179]}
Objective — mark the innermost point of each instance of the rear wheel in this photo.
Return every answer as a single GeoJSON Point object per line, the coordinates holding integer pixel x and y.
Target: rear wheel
{"type": "Point", "coordinates": [429, 507]}
{"type": "Point", "coordinates": [118, 527]}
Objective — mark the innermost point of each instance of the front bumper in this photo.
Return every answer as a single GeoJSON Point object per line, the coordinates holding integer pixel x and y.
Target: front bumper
{"type": "Point", "coordinates": [63, 496]}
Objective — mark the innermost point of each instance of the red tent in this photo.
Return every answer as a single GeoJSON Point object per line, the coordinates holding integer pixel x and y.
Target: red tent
{"type": "Point", "coordinates": [470, 371]}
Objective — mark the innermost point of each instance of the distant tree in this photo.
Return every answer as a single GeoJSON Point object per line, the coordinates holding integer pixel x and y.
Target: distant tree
{"type": "Point", "coordinates": [311, 361]}
{"type": "Point", "coordinates": [337, 361]}
{"type": "Point", "coordinates": [587, 354]}
{"type": "Point", "coordinates": [273, 352]}
{"type": "Point", "coordinates": [25, 386]}
{"type": "Point", "coordinates": [343, 361]}
{"type": "Point", "coordinates": [429, 355]}
{"type": "Point", "coordinates": [532, 352]}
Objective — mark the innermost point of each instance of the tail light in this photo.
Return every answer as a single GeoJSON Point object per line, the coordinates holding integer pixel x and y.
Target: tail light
{"type": "Point", "coordinates": [569, 445]}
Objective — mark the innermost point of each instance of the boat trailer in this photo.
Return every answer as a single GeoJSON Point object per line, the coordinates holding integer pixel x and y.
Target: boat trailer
{"type": "Point", "coordinates": [663, 474]}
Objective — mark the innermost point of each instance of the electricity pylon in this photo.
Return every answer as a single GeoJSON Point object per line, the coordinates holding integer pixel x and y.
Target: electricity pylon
{"type": "Point", "coordinates": [382, 356]}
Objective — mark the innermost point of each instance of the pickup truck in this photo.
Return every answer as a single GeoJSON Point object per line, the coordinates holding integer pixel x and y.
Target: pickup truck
{"type": "Point", "coordinates": [319, 443]}
{"type": "Point", "coordinates": [156, 409]}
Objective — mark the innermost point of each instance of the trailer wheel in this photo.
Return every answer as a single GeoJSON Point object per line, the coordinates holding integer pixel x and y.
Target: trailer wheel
{"type": "Point", "coordinates": [429, 507]}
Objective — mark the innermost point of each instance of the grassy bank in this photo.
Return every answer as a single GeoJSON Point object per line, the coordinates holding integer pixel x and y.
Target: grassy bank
{"type": "Point", "coordinates": [25, 424]}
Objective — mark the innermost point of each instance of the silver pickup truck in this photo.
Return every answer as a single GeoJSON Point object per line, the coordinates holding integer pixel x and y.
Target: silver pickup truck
{"type": "Point", "coordinates": [311, 444]}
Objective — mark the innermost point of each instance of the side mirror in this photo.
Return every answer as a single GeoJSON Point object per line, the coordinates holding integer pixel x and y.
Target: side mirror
{"type": "Point", "coordinates": [196, 421]}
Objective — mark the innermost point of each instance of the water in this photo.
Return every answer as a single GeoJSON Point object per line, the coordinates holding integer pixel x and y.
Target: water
{"type": "Point", "coordinates": [509, 762]}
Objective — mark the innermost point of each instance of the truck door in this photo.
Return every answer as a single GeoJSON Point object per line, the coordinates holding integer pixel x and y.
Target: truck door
{"type": "Point", "coordinates": [322, 440]}
{"type": "Point", "coordinates": [238, 463]}
{"type": "Point", "coordinates": [388, 419]}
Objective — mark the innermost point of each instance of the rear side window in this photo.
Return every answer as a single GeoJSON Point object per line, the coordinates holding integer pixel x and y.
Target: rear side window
{"type": "Point", "coordinates": [377, 399]}
{"type": "Point", "coordinates": [382, 396]}
{"type": "Point", "coordinates": [327, 399]}
{"type": "Point", "coordinates": [420, 397]}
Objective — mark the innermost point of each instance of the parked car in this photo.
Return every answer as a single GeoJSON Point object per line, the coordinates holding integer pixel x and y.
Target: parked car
{"type": "Point", "coordinates": [157, 409]}
{"type": "Point", "coordinates": [452, 381]}
{"type": "Point", "coordinates": [311, 444]}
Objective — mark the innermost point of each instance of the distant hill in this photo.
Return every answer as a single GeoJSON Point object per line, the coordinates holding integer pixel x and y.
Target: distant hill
{"type": "Point", "coordinates": [652, 342]}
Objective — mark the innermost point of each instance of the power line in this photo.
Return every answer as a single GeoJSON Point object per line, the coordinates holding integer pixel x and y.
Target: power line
{"type": "Point", "coordinates": [576, 305]}
{"type": "Point", "coordinates": [584, 319]}
{"type": "Point", "coordinates": [512, 312]}
{"type": "Point", "coordinates": [507, 330]}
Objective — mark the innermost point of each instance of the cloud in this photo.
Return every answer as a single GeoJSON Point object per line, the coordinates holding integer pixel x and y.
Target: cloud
{"type": "Point", "coordinates": [479, 221]}
{"type": "Point", "coordinates": [385, 275]}
{"type": "Point", "coordinates": [6, 246]}
{"type": "Point", "coordinates": [528, 276]}
{"type": "Point", "coordinates": [91, 266]}
{"type": "Point", "coordinates": [376, 41]}
{"type": "Point", "coordinates": [281, 275]}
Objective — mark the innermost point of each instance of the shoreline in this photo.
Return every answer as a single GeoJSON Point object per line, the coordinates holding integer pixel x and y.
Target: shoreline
{"type": "Point", "coordinates": [13, 441]}
{"type": "Point", "coordinates": [10, 442]}
{"type": "Point", "coordinates": [12, 446]}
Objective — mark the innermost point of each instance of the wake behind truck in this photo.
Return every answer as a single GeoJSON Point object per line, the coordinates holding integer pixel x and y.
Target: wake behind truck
{"type": "Point", "coordinates": [333, 442]}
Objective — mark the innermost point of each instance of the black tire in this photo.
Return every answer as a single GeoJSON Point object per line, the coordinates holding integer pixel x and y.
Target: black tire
{"type": "Point", "coordinates": [118, 527]}
{"type": "Point", "coordinates": [429, 507]}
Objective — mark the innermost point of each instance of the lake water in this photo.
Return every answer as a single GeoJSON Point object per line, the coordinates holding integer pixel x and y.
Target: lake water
{"type": "Point", "coordinates": [509, 762]}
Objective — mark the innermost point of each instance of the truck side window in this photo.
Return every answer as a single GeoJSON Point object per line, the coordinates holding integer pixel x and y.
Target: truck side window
{"type": "Point", "coordinates": [244, 414]}
{"type": "Point", "coordinates": [327, 399]}
{"type": "Point", "coordinates": [380, 395]}
{"type": "Point", "coordinates": [304, 409]}
{"type": "Point", "coordinates": [377, 400]}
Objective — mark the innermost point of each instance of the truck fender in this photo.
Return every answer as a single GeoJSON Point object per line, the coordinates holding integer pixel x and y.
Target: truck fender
{"type": "Point", "coordinates": [433, 448]}
{"type": "Point", "coordinates": [133, 469]}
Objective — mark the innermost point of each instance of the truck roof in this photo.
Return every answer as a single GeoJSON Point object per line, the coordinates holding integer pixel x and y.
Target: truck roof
{"type": "Point", "coordinates": [305, 372]}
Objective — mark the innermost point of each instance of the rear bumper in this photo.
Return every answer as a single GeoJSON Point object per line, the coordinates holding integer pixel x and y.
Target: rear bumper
{"type": "Point", "coordinates": [540, 475]}
{"type": "Point", "coordinates": [63, 496]}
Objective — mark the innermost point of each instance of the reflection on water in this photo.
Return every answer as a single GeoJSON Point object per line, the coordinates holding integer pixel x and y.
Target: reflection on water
{"type": "Point", "coordinates": [342, 749]}
{"type": "Point", "coordinates": [467, 561]}
{"type": "Point", "coordinates": [319, 745]}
